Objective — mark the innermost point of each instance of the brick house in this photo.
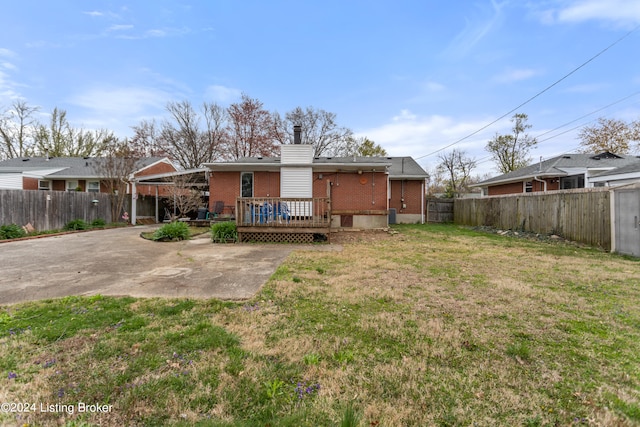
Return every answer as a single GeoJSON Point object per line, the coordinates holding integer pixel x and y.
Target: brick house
{"type": "Point", "coordinates": [70, 173]}
{"type": "Point", "coordinates": [318, 193]}
{"type": "Point", "coordinates": [563, 172]}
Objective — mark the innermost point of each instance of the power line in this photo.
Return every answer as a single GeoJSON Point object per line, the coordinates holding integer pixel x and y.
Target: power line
{"type": "Point", "coordinates": [586, 115]}
{"type": "Point", "coordinates": [536, 95]}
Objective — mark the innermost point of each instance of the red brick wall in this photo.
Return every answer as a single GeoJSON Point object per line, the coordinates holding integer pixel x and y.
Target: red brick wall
{"type": "Point", "coordinates": [223, 186]}
{"type": "Point", "coordinates": [351, 191]}
{"type": "Point", "coordinates": [518, 187]}
{"type": "Point", "coordinates": [29, 183]}
{"type": "Point", "coordinates": [413, 197]}
{"type": "Point", "coordinates": [161, 167]}
{"type": "Point", "coordinates": [150, 190]}
{"type": "Point", "coordinates": [58, 185]}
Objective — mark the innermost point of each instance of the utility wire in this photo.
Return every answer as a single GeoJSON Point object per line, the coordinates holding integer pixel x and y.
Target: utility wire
{"type": "Point", "coordinates": [584, 116]}
{"type": "Point", "coordinates": [536, 95]}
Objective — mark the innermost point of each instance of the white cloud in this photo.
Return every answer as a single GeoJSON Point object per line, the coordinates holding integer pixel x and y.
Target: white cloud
{"type": "Point", "coordinates": [515, 75]}
{"type": "Point", "coordinates": [93, 13]}
{"type": "Point", "coordinates": [475, 30]}
{"type": "Point", "coordinates": [155, 33]}
{"type": "Point", "coordinates": [587, 88]}
{"type": "Point", "coordinates": [620, 12]}
{"type": "Point", "coordinates": [119, 108]}
{"type": "Point", "coordinates": [433, 87]}
{"type": "Point", "coordinates": [8, 87]}
{"type": "Point", "coordinates": [222, 94]}
{"type": "Point", "coordinates": [422, 137]}
{"type": "Point", "coordinates": [7, 53]}
{"type": "Point", "coordinates": [8, 66]}
{"type": "Point", "coordinates": [120, 27]}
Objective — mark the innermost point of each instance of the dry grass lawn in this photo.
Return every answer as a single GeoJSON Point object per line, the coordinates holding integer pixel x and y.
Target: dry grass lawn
{"type": "Point", "coordinates": [432, 326]}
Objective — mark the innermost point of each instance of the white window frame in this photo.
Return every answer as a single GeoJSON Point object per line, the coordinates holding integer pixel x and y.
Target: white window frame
{"type": "Point", "coordinates": [71, 187]}
{"type": "Point", "coordinates": [43, 188]}
{"type": "Point", "coordinates": [93, 190]}
{"type": "Point", "coordinates": [252, 183]}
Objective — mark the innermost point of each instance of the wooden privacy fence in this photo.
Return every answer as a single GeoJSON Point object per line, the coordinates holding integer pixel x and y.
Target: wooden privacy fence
{"type": "Point", "coordinates": [579, 215]}
{"type": "Point", "coordinates": [439, 210]}
{"type": "Point", "coordinates": [52, 210]}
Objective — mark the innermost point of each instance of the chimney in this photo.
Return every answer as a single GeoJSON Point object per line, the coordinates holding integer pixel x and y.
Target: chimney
{"type": "Point", "coordinates": [296, 134]}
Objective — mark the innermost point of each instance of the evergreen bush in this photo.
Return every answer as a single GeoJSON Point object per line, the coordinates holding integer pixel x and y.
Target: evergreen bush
{"type": "Point", "coordinates": [11, 231]}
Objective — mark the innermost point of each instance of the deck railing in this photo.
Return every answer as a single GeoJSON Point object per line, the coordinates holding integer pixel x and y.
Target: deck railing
{"type": "Point", "coordinates": [283, 212]}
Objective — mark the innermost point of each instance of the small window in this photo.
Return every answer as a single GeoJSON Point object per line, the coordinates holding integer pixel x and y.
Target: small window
{"type": "Point", "coordinates": [246, 182]}
{"type": "Point", "coordinates": [44, 185]}
{"type": "Point", "coordinates": [528, 186]}
{"type": "Point", "coordinates": [93, 186]}
{"type": "Point", "coordinates": [72, 185]}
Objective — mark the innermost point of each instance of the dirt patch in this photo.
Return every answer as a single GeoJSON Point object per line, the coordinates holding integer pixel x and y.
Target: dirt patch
{"type": "Point", "coordinates": [361, 236]}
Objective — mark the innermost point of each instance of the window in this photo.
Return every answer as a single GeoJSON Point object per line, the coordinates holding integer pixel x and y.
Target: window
{"type": "Point", "coordinates": [44, 185]}
{"type": "Point", "coordinates": [569, 182]}
{"type": "Point", "coordinates": [93, 186]}
{"type": "Point", "coordinates": [246, 183]}
{"type": "Point", "coordinates": [528, 186]}
{"type": "Point", "coordinates": [72, 185]}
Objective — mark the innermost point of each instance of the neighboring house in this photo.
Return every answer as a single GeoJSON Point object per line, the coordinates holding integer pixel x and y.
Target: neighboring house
{"type": "Point", "coordinates": [563, 172]}
{"type": "Point", "coordinates": [624, 175]}
{"type": "Point", "coordinates": [307, 192]}
{"type": "Point", "coordinates": [70, 173]}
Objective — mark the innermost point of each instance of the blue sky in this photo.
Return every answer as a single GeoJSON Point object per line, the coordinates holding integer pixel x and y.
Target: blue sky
{"type": "Point", "coordinates": [414, 76]}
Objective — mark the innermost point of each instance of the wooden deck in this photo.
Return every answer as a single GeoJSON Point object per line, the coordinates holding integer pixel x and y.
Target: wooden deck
{"type": "Point", "coordinates": [279, 220]}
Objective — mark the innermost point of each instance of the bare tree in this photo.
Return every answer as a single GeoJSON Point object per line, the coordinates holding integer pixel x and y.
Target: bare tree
{"type": "Point", "coordinates": [16, 130]}
{"type": "Point", "coordinates": [184, 196]}
{"type": "Point", "coordinates": [182, 137]}
{"type": "Point", "coordinates": [319, 128]}
{"type": "Point", "coordinates": [250, 130]}
{"type": "Point", "coordinates": [456, 166]}
{"type": "Point", "coordinates": [146, 139]}
{"type": "Point", "coordinates": [612, 135]}
{"type": "Point", "coordinates": [60, 139]}
{"type": "Point", "coordinates": [511, 152]}
{"type": "Point", "coordinates": [116, 169]}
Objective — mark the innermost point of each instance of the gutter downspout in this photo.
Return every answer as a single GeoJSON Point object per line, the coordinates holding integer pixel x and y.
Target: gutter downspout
{"type": "Point", "coordinates": [535, 178]}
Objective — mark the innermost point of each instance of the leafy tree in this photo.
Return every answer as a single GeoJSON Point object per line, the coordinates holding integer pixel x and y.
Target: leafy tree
{"type": "Point", "coordinates": [250, 130]}
{"type": "Point", "coordinates": [511, 152]}
{"type": "Point", "coordinates": [362, 147]}
{"type": "Point", "coordinates": [319, 128]}
{"type": "Point", "coordinates": [455, 168]}
{"type": "Point", "coordinates": [59, 139]}
{"type": "Point", "coordinates": [16, 130]}
{"type": "Point", "coordinates": [610, 135]}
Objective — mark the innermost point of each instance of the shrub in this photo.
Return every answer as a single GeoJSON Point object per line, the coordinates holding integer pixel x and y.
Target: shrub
{"type": "Point", "coordinates": [98, 222]}
{"type": "Point", "coordinates": [76, 224]}
{"type": "Point", "coordinates": [172, 231]}
{"type": "Point", "coordinates": [11, 231]}
{"type": "Point", "coordinates": [223, 231]}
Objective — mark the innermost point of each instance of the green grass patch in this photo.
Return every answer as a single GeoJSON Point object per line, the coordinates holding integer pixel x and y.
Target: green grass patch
{"type": "Point", "coordinates": [436, 325]}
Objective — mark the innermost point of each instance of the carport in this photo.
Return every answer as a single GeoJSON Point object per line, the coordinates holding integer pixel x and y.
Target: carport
{"type": "Point", "coordinates": [196, 178]}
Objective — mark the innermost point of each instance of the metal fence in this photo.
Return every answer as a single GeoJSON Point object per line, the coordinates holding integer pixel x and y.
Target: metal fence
{"type": "Point", "coordinates": [51, 210]}
{"type": "Point", "coordinates": [579, 215]}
